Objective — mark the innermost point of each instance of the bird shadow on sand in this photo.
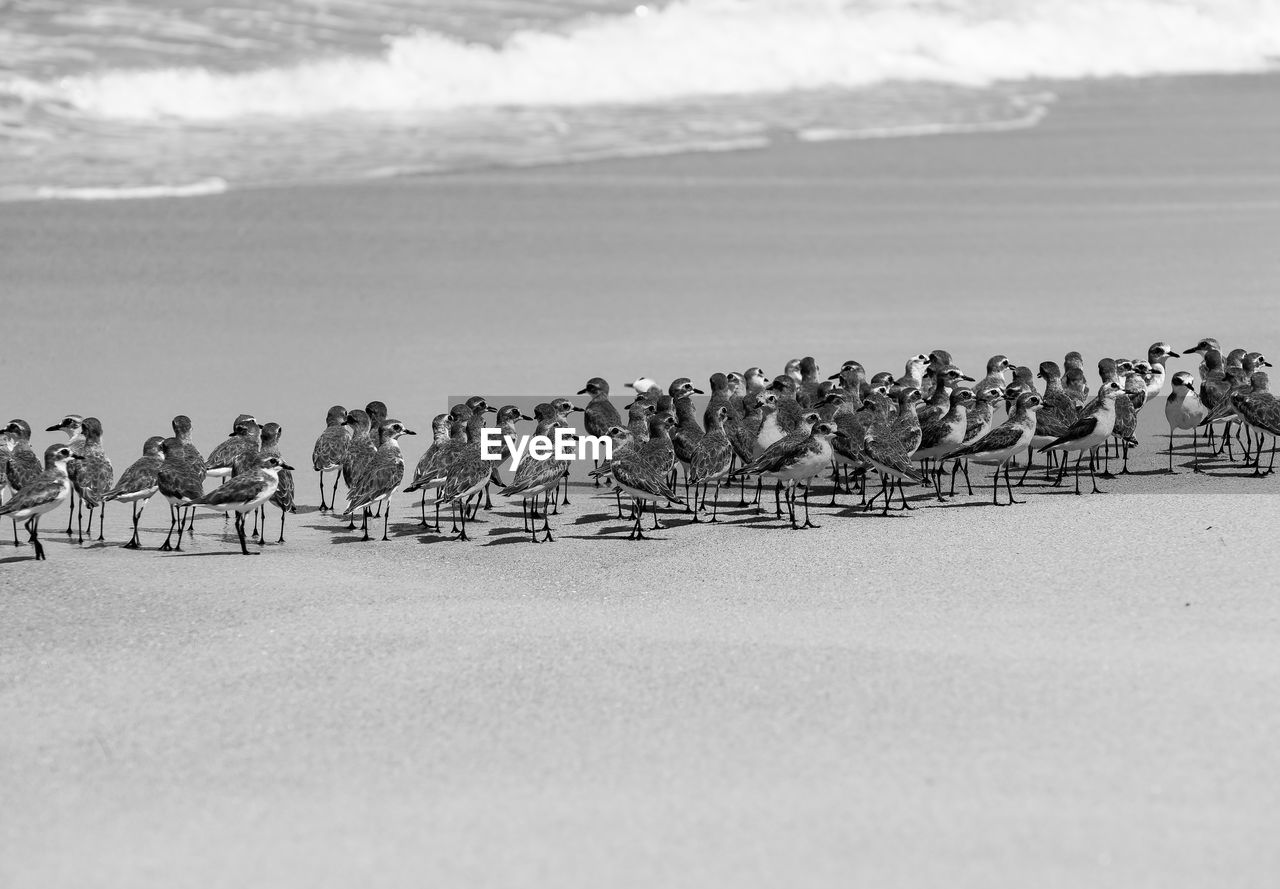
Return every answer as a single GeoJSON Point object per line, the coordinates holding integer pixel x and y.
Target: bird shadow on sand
{"type": "Point", "coordinates": [11, 559]}
{"type": "Point", "coordinates": [218, 552]}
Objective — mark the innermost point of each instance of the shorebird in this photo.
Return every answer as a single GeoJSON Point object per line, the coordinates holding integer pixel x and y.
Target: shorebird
{"type": "Point", "coordinates": [980, 420]}
{"type": "Point", "coordinates": [644, 384]}
{"type": "Point", "coordinates": [139, 484]}
{"type": "Point", "coordinates": [884, 451]}
{"type": "Point", "coordinates": [23, 466]}
{"type": "Point", "coordinates": [282, 499]}
{"type": "Point", "coordinates": [245, 492]}
{"type": "Point", "coordinates": [941, 436]}
{"type": "Point", "coordinates": [996, 366]}
{"type": "Point", "coordinates": [720, 395]}
{"type": "Point", "coordinates": [536, 478]}
{"type": "Point", "coordinates": [599, 414]}
{"type": "Point", "coordinates": [330, 450]}
{"type": "Point", "coordinates": [181, 425]}
{"type": "Point", "coordinates": [853, 379]}
{"type": "Point", "coordinates": [360, 450]}
{"type": "Point", "coordinates": [687, 431]}
{"type": "Point", "coordinates": [93, 476]}
{"type": "Point", "coordinates": [1158, 354]}
{"type": "Point", "coordinates": [1001, 444]}
{"type": "Point", "coordinates": [1260, 411]}
{"type": "Point", "coordinates": [755, 379]}
{"type": "Point", "coordinates": [379, 477]}
{"type": "Point", "coordinates": [238, 451]}
{"type": "Point", "coordinates": [712, 460]}
{"type": "Point", "coordinates": [1023, 381]}
{"type": "Point", "coordinates": [449, 434]}
{"type": "Point", "coordinates": [737, 384]}
{"type": "Point", "coordinates": [468, 475]}
{"type": "Point", "coordinates": [180, 481]}
{"type": "Point", "coordinates": [913, 377]}
{"type": "Point", "coordinates": [796, 460]}
{"type": "Point", "coordinates": [808, 393]}
{"type": "Point", "coordinates": [1095, 426]}
{"type": "Point", "coordinates": [1184, 410]}
{"type": "Point", "coordinates": [377, 412]}
{"type": "Point", "coordinates": [42, 494]}
{"type": "Point", "coordinates": [1205, 344]}
{"type": "Point", "coordinates": [644, 478]}
{"type": "Point", "coordinates": [73, 426]}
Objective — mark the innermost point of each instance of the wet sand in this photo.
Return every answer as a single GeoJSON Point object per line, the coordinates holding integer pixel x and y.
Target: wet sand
{"type": "Point", "coordinates": [1074, 691]}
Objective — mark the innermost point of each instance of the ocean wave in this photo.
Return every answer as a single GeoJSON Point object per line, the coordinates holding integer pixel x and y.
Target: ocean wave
{"type": "Point", "coordinates": [717, 48]}
{"type": "Point", "coordinates": [202, 188]}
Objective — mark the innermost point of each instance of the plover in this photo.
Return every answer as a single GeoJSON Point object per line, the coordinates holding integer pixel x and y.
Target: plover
{"type": "Point", "coordinates": [1184, 410]}
{"type": "Point", "coordinates": [644, 479]}
{"type": "Point", "coordinates": [712, 460]}
{"type": "Point", "coordinates": [940, 436]}
{"type": "Point", "coordinates": [180, 482]}
{"type": "Point", "coordinates": [42, 494]}
{"type": "Point", "coordinates": [884, 451]}
{"type": "Point", "coordinates": [796, 460]}
{"type": "Point", "coordinates": [996, 367]}
{"type": "Point", "coordinates": [139, 484]}
{"type": "Point", "coordinates": [687, 432]}
{"type": "Point", "coordinates": [73, 426]}
{"type": "Point", "coordinates": [449, 434]}
{"type": "Point", "coordinates": [644, 384]}
{"type": "Point", "coordinates": [93, 476]}
{"type": "Point", "coordinates": [238, 451]}
{"type": "Point", "coordinates": [599, 414]}
{"type": "Point", "coordinates": [282, 499]}
{"type": "Point", "coordinates": [1095, 426]}
{"type": "Point", "coordinates": [330, 449]}
{"type": "Point", "coordinates": [377, 412]}
{"type": "Point", "coordinates": [245, 492]}
{"type": "Point", "coordinates": [23, 466]}
{"type": "Point", "coordinates": [360, 450]}
{"type": "Point", "coordinates": [538, 478]}
{"type": "Point", "coordinates": [1001, 444]}
{"type": "Point", "coordinates": [379, 477]}
{"type": "Point", "coordinates": [808, 394]}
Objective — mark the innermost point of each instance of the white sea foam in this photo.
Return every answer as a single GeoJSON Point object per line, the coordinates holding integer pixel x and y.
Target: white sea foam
{"type": "Point", "coordinates": [719, 48]}
{"type": "Point", "coordinates": [134, 192]}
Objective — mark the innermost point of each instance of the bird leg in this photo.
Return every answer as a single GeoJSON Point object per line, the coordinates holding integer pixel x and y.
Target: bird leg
{"type": "Point", "coordinates": [364, 522]}
{"type": "Point", "coordinates": [32, 524]}
{"type": "Point", "coordinates": [463, 535]}
{"type": "Point", "coordinates": [1171, 472]}
{"type": "Point", "coordinates": [102, 518]}
{"type": "Point", "coordinates": [71, 510]}
{"type": "Point", "coordinates": [1008, 487]}
{"type": "Point", "coordinates": [244, 547]}
{"type": "Point", "coordinates": [386, 518]}
{"type": "Point", "coordinates": [281, 540]}
{"type": "Point", "coordinates": [546, 527]}
{"type": "Point", "coordinates": [807, 523]}
{"type": "Point", "coordinates": [173, 520]}
{"type": "Point", "coordinates": [715, 504]}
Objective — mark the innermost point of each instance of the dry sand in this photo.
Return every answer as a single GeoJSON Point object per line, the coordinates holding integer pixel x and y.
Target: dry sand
{"type": "Point", "coordinates": [1078, 691]}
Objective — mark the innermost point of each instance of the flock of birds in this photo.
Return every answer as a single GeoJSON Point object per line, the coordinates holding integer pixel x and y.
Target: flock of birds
{"type": "Point", "coordinates": [793, 430]}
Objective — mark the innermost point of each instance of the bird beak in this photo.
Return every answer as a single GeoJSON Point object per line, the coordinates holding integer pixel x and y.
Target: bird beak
{"type": "Point", "coordinates": [410, 432]}
{"type": "Point", "coordinates": [523, 417]}
{"type": "Point", "coordinates": [286, 466]}
{"type": "Point", "coordinates": [700, 392]}
{"type": "Point", "coordinates": [834, 377]}
{"type": "Point", "coordinates": [582, 392]}
{"type": "Point", "coordinates": [968, 379]}
{"type": "Point", "coordinates": [51, 428]}
{"type": "Point", "coordinates": [1172, 355]}
{"type": "Point", "coordinates": [579, 409]}
{"type": "Point", "coordinates": [630, 385]}
{"type": "Point", "coordinates": [77, 456]}
{"type": "Point", "coordinates": [490, 409]}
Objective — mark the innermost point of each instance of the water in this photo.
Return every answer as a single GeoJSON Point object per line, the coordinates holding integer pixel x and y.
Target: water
{"type": "Point", "coordinates": [139, 98]}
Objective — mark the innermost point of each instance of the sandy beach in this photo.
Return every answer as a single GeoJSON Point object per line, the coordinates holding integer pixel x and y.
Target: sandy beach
{"type": "Point", "coordinates": [1076, 691]}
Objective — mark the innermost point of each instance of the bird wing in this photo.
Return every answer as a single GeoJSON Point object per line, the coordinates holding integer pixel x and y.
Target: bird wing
{"type": "Point", "coordinates": [1077, 430]}
{"type": "Point", "coordinates": [379, 476]}
{"type": "Point", "coordinates": [330, 447]}
{"type": "Point", "coordinates": [138, 477]}
{"type": "Point", "coordinates": [94, 479]}
{"type": "Point", "coordinates": [1262, 410]}
{"type": "Point", "coordinates": [1003, 437]}
{"type": "Point", "coordinates": [44, 488]}
{"type": "Point", "coordinates": [599, 416]}
{"type": "Point", "coordinates": [711, 457]}
{"type": "Point", "coordinates": [283, 497]}
{"type": "Point", "coordinates": [240, 489]}
{"type": "Point", "coordinates": [635, 473]}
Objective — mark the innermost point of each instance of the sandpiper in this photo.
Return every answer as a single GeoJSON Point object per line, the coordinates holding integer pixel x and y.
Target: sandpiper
{"type": "Point", "coordinates": [687, 432]}
{"type": "Point", "coordinates": [449, 433]}
{"type": "Point", "coordinates": [996, 367]}
{"type": "Point", "coordinates": [360, 450]}
{"type": "Point", "coordinates": [237, 453]}
{"type": "Point", "coordinates": [245, 492]}
{"type": "Point", "coordinates": [796, 460]}
{"type": "Point", "coordinates": [377, 412]}
{"type": "Point", "coordinates": [42, 494]}
{"type": "Point", "coordinates": [139, 484]}
{"type": "Point", "coordinates": [330, 449]}
{"type": "Point", "coordinates": [644, 478]}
